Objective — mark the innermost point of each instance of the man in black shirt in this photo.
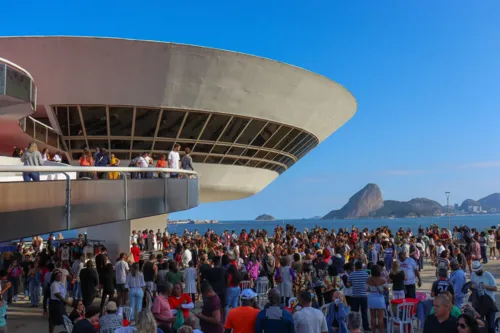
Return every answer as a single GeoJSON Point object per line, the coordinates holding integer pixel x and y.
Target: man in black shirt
{"type": "Point", "coordinates": [268, 265]}
{"type": "Point", "coordinates": [442, 284]}
{"type": "Point", "coordinates": [441, 321]}
{"type": "Point", "coordinates": [217, 277]}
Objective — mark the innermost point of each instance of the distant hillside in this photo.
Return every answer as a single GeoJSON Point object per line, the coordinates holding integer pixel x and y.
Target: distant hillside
{"type": "Point", "coordinates": [369, 202]}
{"type": "Point", "coordinates": [469, 202]}
{"type": "Point", "coordinates": [361, 204]}
{"type": "Point", "coordinates": [491, 201]}
{"type": "Point", "coordinates": [265, 217]}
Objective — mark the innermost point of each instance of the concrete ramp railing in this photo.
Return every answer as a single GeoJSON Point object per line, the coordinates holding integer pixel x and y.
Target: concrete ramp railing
{"type": "Point", "coordinates": [33, 208]}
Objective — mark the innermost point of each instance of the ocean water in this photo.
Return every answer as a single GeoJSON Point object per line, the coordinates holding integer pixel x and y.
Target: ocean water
{"type": "Point", "coordinates": [479, 222]}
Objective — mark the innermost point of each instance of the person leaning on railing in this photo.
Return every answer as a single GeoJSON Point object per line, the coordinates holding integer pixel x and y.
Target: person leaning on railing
{"type": "Point", "coordinates": [32, 157]}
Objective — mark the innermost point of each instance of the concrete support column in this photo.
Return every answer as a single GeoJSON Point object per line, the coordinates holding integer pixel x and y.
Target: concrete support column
{"type": "Point", "coordinates": [116, 236]}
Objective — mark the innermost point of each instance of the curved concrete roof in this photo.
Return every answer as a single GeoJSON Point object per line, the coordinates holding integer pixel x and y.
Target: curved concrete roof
{"type": "Point", "coordinates": [88, 70]}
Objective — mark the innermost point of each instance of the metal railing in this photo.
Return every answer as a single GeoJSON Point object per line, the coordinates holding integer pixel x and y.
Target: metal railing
{"type": "Point", "coordinates": [99, 199]}
{"type": "Point", "coordinates": [40, 131]}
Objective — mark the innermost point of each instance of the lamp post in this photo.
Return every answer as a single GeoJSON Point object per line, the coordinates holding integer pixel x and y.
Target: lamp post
{"type": "Point", "coordinates": [448, 205]}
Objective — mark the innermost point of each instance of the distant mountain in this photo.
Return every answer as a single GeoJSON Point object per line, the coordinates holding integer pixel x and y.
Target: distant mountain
{"type": "Point", "coordinates": [368, 202]}
{"type": "Point", "coordinates": [265, 217]}
{"type": "Point", "coordinates": [469, 202]}
{"type": "Point", "coordinates": [491, 201]}
{"type": "Point", "coordinates": [361, 204]}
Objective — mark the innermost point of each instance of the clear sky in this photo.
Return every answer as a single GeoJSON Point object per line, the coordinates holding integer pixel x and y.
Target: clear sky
{"type": "Point", "coordinates": [425, 75]}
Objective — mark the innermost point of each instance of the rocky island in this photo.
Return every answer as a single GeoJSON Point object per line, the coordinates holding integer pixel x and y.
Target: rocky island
{"type": "Point", "coordinates": [265, 217]}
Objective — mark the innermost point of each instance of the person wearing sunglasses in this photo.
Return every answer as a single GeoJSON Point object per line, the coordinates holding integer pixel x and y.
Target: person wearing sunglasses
{"type": "Point", "coordinates": [467, 324]}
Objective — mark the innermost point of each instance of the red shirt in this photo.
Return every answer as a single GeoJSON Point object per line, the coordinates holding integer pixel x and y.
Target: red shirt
{"type": "Point", "coordinates": [175, 302]}
{"type": "Point", "coordinates": [136, 252]}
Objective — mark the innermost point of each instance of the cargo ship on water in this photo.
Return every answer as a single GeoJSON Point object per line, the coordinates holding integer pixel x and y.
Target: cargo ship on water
{"type": "Point", "coordinates": [193, 222]}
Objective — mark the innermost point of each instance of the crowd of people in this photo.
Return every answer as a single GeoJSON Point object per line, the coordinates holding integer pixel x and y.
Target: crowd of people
{"type": "Point", "coordinates": [317, 280]}
{"type": "Point", "coordinates": [101, 158]}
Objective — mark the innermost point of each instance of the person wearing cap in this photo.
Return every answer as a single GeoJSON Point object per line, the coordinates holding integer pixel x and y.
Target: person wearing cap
{"type": "Point", "coordinates": [309, 319]}
{"type": "Point", "coordinates": [87, 325]}
{"type": "Point", "coordinates": [485, 282]}
{"type": "Point", "coordinates": [242, 319]}
{"type": "Point", "coordinates": [109, 322]}
{"type": "Point", "coordinates": [273, 318]}
{"type": "Point", "coordinates": [458, 280]}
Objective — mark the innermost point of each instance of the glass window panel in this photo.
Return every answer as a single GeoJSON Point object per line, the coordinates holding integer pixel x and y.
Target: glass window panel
{"type": "Point", "coordinates": [52, 139]}
{"type": "Point", "coordinates": [75, 125]}
{"type": "Point", "coordinates": [40, 132]}
{"type": "Point", "coordinates": [280, 169]}
{"type": "Point", "coordinates": [120, 144]}
{"type": "Point", "coordinates": [214, 127]}
{"type": "Point", "coordinates": [271, 156]}
{"type": "Point", "coordinates": [237, 151]}
{"type": "Point", "coordinates": [252, 163]}
{"type": "Point", "coordinates": [220, 149]}
{"type": "Point", "coordinates": [283, 159]}
{"type": "Point", "coordinates": [241, 162]}
{"type": "Point", "coordinates": [193, 125]}
{"type": "Point", "coordinates": [301, 144]}
{"type": "Point", "coordinates": [297, 142]}
{"type": "Point", "coordinates": [121, 156]}
{"type": "Point", "coordinates": [282, 132]}
{"type": "Point", "coordinates": [33, 95]}
{"type": "Point", "coordinates": [145, 122]}
{"type": "Point", "coordinates": [213, 159]}
{"type": "Point", "coordinates": [265, 134]}
{"type": "Point", "coordinates": [62, 119]}
{"type": "Point", "coordinates": [267, 166]}
{"type": "Point", "coordinates": [249, 152]}
{"type": "Point", "coordinates": [2, 79]}
{"type": "Point", "coordinates": [228, 160]}
{"type": "Point", "coordinates": [251, 131]}
{"type": "Point", "coordinates": [170, 124]}
{"type": "Point", "coordinates": [198, 158]}
{"type": "Point", "coordinates": [94, 118]}
{"type": "Point", "coordinates": [163, 145]}
{"type": "Point", "coordinates": [306, 148]}
{"type": "Point", "coordinates": [78, 144]}
{"type": "Point", "coordinates": [261, 154]}
{"type": "Point", "coordinates": [202, 148]}
{"type": "Point", "coordinates": [76, 155]}
{"type": "Point", "coordinates": [288, 139]}
{"type": "Point", "coordinates": [18, 84]}
{"type": "Point", "coordinates": [101, 143]}
{"type": "Point", "coordinates": [142, 145]}
{"type": "Point", "coordinates": [234, 129]}
{"type": "Point", "coordinates": [120, 121]}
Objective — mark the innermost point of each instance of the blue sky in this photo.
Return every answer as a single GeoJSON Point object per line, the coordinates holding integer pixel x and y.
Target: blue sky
{"type": "Point", "coordinates": [425, 75]}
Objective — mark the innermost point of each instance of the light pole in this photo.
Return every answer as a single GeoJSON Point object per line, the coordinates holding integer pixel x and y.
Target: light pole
{"type": "Point", "coordinates": [448, 205]}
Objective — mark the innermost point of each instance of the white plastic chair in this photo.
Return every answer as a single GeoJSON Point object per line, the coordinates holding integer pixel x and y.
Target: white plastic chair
{"type": "Point", "coordinates": [402, 318]}
{"type": "Point", "coordinates": [68, 324]}
{"type": "Point", "coordinates": [262, 287]}
{"type": "Point", "coordinates": [245, 284]}
{"type": "Point", "coordinates": [127, 312]}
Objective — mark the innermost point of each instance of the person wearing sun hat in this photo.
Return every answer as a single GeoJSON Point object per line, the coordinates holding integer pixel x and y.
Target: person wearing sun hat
{"type": "Point", "coordinates": [242, 319]}
{"type": "Point", "coordinates": [484, 281]}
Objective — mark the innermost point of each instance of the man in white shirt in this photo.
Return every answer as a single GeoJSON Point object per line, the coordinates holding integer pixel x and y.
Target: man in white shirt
{"type": "Point", "coordinates": [309, 319]}
{"type": "Point", "coordinates": [174, 160]}
{"type": "Point", "coordinates": [121, 269]}
{"type": "Point", "coordinates": [439, 248]}
{"type": "Point", "coordinates": [187, 256]}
